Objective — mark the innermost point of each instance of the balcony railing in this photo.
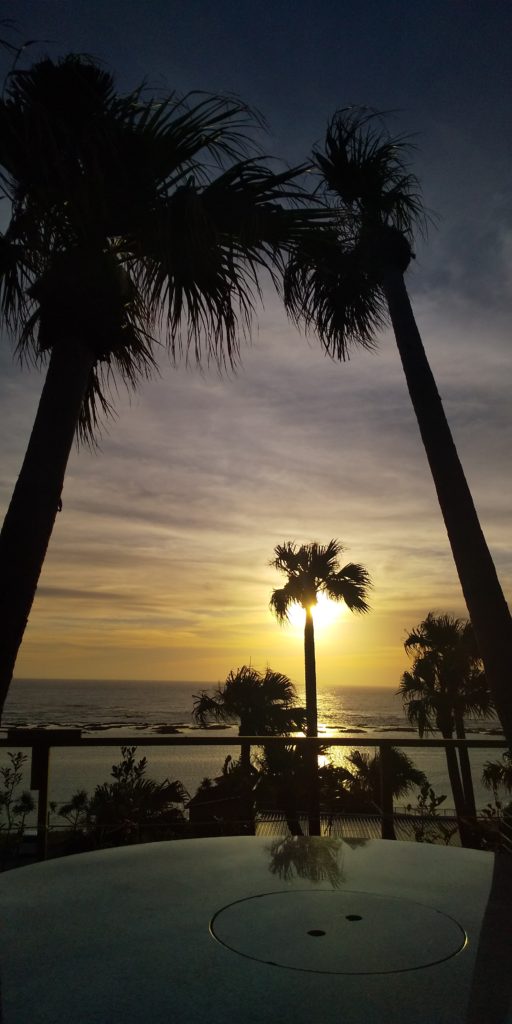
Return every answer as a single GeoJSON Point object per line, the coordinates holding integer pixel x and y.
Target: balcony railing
{"type": "Point", "coordinates": [42, 741]}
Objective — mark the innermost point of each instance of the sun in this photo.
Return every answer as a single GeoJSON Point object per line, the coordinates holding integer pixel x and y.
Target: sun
{"type": "Point", "coordinates": [325, 613]}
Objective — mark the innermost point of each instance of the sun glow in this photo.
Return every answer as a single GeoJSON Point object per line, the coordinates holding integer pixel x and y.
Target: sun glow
{"type": "Point", "coordinates": [325, 612]}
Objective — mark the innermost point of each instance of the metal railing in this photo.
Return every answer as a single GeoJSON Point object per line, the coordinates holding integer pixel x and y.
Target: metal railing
{"type": "Point", "coordinates": [42, 741]}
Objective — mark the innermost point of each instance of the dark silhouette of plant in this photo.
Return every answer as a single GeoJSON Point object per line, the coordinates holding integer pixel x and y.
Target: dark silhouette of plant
{"type": "Point", "coordinates": [14, 806]}
{"type": "Point", "coordinates": [363, 775]}
{"type": "Point", "coordinates": [346, 285]}
{"type": "Point", "coordinates": [317, 860]}
{"type": "Point", "coordinates": [446, 684]}
{"type": "Point", "coordinates": [313, 569]}
{"type": "Point", "coordinates": [497, 775]}
{"type": "Point", "coordinates": [428, 827]}
{"type": "Point", "coordinates": [263, 703]}
{"type": "Point", "coordinates": [133, 808]}
{"type": "Point", "coordinates": [76, 810]}
{"type": "Point", "coordinates": [225, 805]}
{"type": "Point", "coordinates": [283, 783]}
{"type": "Point", "coordinates": [129, 218]}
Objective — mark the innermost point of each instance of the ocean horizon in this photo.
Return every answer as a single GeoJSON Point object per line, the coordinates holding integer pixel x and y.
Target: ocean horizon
{"type": "Point", "coordinates": [138, 708]}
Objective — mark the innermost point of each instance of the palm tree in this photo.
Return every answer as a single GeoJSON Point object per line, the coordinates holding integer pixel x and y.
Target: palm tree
{"type": "Point", "coordinates": [446, 684]}
{"type": "Point", "coordinates": [346, 285]}
{"type": "Point", "coordinates": [363, 774]}
{"type": "Point", "coordinates": [126, 216]}
{"type": "Point", "coordinates": [263, 703]}
{"type": "Point", "coordinates": [496, 774]}
{"type": "Point", "coordinates": [314, 569]}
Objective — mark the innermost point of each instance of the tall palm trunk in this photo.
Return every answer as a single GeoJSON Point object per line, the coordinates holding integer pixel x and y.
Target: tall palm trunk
{"type": "Point", "coordinates": [310, 674]}
{"type": "Point", "coordinates": [465, 768]}
{"type": "Point", "coordinates": [312, 723]}
{"type": "Point", "coordinates": [31, 515]}
{"type": "Point", "coordinates": [484, 597]}
{"type": "Point", "coordinates": [454, 776]}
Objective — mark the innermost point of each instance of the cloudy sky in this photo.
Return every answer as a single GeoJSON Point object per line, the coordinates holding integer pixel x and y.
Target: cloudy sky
{"type": "Point", "coordinates": [158, 566]}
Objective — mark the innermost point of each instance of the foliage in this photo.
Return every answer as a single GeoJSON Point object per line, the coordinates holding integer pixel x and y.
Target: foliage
{"type": "Point", "coordinates": [334, 283]}
{"type": "Point", "coordinates": [497, 776]}
{"type": "Point", "coordinates": [14, 806]}
{"type": "Point", "coordinates": [428, 827]}
{"type": "Point", "coordinates": [225, 805]}
{"type": "Point", "coordinates": [447, 681]}
{"type": "Point", "coordinates": [129, 214]}
{"type": "Point", "coordinates": [263, 703]}
{"type": "Point", "coordinates": [317, 860]}
{"type": "Point", "coordinates": [132, 808]}
{"type": "Point", "coordinates": [363, 774]}
{"type": "Point", "coordinates": [312, 569]}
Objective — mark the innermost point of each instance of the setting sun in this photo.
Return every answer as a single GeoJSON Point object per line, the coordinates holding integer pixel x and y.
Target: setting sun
{"type": "Point", "coordinates": [325, 612]}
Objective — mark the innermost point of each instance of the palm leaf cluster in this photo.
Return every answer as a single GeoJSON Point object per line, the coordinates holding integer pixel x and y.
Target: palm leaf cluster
{"type": "Point", "coordinates": [130, 215]}
{"type": "Point", "coordinates": [333, 283]}
{"type": "Point", "coordinates": [447, 681]}
{"type": "Point", "coordinates": [312, 569]}
{"type": "Point", "coordinates": [263, 703]}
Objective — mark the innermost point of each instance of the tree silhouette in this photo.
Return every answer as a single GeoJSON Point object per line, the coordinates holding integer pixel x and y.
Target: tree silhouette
{"type": "Point", "coordinates": [129, 217]}
{"type": "Point", "coordinates": [313, 569]}
{"type": "Point", "coordinates": [446, 684]}
{"type": "Point", "coordinates": [263, 703]}
{"type": "Point", "coordinates": [345, 285]}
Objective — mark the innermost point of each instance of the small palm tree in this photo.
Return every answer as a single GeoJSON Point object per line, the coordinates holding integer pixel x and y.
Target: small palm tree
{"type": "Point", "coordinates": [126, 216]}
{"type": "Point", "coordinates": [446, 684]}
{"type": "Point", "coordinates": [263, 703]}
{"type": "Point", "coordinates": [346, 285]}
{"type": "Point", "coordinates": [314, 569]}
{"type": "Point", "coordinates": [496, 774]}
{"type": "Point", "coordinates": [363, 774]}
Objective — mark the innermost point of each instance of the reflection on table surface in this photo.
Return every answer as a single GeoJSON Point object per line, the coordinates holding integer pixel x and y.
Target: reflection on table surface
{"type": "Point", "coordinates": [254, 930]}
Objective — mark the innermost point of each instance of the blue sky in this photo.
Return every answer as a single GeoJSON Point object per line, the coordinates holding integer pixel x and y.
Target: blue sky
{"type": "Point", "coordinates": [158, 567]}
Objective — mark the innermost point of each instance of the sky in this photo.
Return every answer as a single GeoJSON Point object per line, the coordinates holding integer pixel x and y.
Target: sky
{"type": "Point", "coordinates": [158, 567]}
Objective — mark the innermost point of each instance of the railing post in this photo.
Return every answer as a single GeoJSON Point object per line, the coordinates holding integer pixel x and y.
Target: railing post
{"type": "Point", "coordinates": [386, 793]}
{"type": "Point", "coordinates": [313, 788]}
{"type": "Point", "coordinates": [41, 740]}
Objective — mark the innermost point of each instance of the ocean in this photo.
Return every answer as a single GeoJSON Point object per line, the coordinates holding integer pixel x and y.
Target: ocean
{"type": "Point", "coordinates": [139, 709]}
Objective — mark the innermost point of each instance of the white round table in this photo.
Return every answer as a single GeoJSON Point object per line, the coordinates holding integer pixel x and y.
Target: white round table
{"type": "Point", "coordinates": [247, 930]}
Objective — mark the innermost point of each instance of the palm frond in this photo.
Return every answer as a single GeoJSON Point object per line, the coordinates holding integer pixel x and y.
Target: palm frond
{"type": "Point", "coordinates": [351, 585]}
{"type": "Point", "coordinates": [367, 170]}
{"type": "Point", "coordinates": [169, 189]}
{"type": "Point", "coordinates": [282, 600]}
{"type": "Point", "coordinates": [329, 288]}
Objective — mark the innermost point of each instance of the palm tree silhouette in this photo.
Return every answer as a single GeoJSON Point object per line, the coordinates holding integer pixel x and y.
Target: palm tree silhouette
{"type": "Point", "coordinates": [263, 703]}
{"type": "Point", "coordinates": [128, 217]}
{"type": "Point", "coordinates": [363, 774]}
{"type": "Point", "coordinates": [313, 569]}
{"type": "Point", "coordinates": [446, 684]}
{"type": "Point", "coordinates": [345, 285]}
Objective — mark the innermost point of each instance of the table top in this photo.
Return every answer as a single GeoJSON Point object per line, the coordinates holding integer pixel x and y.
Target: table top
{"type": "Point", "coordinates": [251, 929]}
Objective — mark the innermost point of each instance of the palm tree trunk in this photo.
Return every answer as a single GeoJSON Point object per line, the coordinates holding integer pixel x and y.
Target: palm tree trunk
{"type": "Point", "coordinates": [310, 674]}
{"type": "Point", "coordinates": [457, 790]}
{"type": "Point", "coordinates": [484, 597]}
{"type": "Point", "coordinates": [245, 756]}
{"type": "Point", "coordinates": [31, 514]}
{"type": "Point", "coordinates": [312, 723]}
{"type": "Point", "coordinates": [465, 769]}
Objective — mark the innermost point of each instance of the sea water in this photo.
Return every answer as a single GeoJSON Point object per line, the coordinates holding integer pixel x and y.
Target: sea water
{"type": "Point", "coordinates": [139, 708]}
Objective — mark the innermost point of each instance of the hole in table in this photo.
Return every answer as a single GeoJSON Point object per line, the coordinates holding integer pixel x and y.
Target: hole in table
{"type": "Point", "coordinates": [315, 932]}
{"type": "Point", "coordinates": [353, 917]}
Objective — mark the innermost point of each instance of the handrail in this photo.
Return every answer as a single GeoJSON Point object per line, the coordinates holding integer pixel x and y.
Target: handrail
{"type": "Point", "coordinates": [41, 742]}
{"type": "Point", "coordinates": [23, 737]}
